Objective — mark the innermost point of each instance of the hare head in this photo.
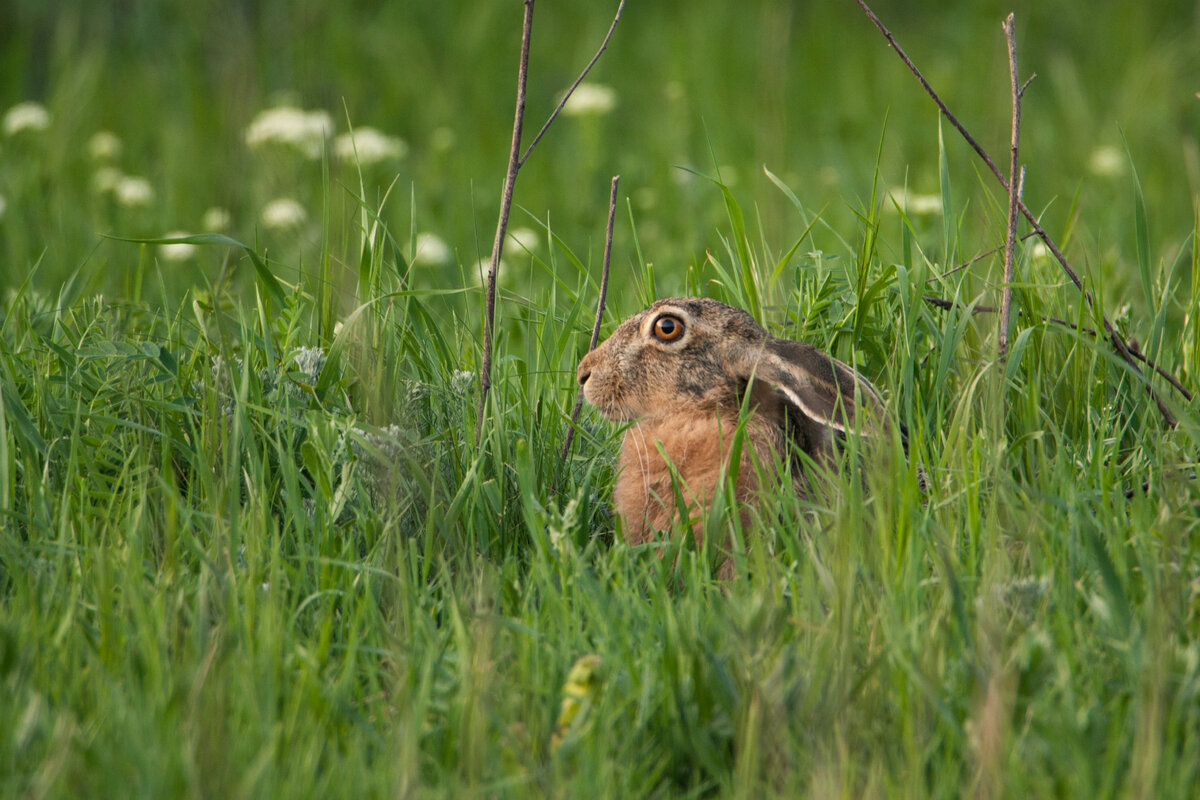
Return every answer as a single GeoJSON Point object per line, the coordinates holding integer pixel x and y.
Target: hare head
{"type": "Point", "coordinates": [680, 371]}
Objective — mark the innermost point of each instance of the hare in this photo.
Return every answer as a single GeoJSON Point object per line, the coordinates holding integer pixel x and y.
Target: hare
{"type": "Point", "coordinates": [680, 371]}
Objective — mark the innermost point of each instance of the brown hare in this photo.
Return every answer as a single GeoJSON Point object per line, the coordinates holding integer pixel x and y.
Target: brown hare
{"type": "Point", "coordinates": [680, 371]}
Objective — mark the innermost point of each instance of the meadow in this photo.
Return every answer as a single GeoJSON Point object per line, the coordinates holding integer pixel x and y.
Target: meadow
{"type": "Point", "coordinates": [250, 547]}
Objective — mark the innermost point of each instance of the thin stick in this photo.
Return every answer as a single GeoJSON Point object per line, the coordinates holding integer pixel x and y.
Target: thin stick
{"type": "Point", "coordinates": [608, 237]}
{"type": "Point", "coordinates": [973, 259]}
{"type": "Point", "coordinates": [516, 160]}
{"type": "Point", "coordinates": [575, 85]}
{"type": "Point", "coordinates": [1117, 340]}
{"type": "Point", "coordinates": [1134, 351]}
{"type": "Point", "coordinates": [510, 180]}
{"type": "Point", "coordinates": [947, 305]}
{"type": "Point", "coordinates": [1140, 356]}
{"type": "Point", "coordinates": [1010, 239]}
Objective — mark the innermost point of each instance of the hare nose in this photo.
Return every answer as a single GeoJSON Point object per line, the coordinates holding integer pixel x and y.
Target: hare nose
{"type": "Point", "coordinates": [584, 370]}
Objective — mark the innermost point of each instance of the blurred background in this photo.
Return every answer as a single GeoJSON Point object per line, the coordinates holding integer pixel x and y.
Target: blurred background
{"type": "Point", "coordinates": [154, 118]}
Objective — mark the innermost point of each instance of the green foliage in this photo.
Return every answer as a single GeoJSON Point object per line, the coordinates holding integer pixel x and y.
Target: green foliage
{"type": "Point", "coordinates": [248, 546]}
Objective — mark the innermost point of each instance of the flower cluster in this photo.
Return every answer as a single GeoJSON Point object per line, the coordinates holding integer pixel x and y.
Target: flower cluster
{"type": "Point", "coordinates": [26, 117]}
{"type": "Point", "coordinates": [287, 126]}
{"type": "Point", "coordinates": [130, 191]}
{"type": "Point", "coordinates": [919, 205]}
{"type": "Point", "coordinates": [282, 214]}
{"type": "Point", "coordinates": [104, 146]}
{"type": "Point", "coordinates": [1107, 161]}
{"type": "Point", "coordinates": [180, 251]}
{"type": "Point", "coordinates": [309, 361]}
{"type": "Point", "coordinates": [306, 132]}
{"type": "Point", "coordinates": [431, 249]}
{"type": "Point", "coordinates": [369, 146]}
{"type": "Point", "coordinates": [590, 99]}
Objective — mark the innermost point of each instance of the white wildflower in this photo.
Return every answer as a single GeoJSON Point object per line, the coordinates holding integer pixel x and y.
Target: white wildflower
{"type": "Point", "coordinates": [283, 213]}
{"type": "Point", "coordinates": [369, 146]}
{"type": "Point", "coordinates": [925, 204]}
{"type": "Point", "coordinates": [416, 390]}
{"type": "Point", "coordinates": [590, 99]}
{"type": "Point", "coordinates": [26, 117]}
{"type": "Point", "coordinates": [431, 249]}
{"type": "Point", "coordinates": [461, 380]}
{"type": "Point", "coordinates": [310, 361]}
{"type": "Point", "coordinates": [215, 219]}
{"type": "Point", "coordinates": [916, 204]}
{"type": "Point", "coordinates": [176, 252]}
{"type": "Point", "coordinates": [523, 239]}
{"type": "Point", "coordinates": [292, 127]}
{"type": "Point", "coordinates": [387, 445]}
{"type": "Point", "coordinates": [1039, 251]}
{"type": "Point", "coordinates": [1107, 162]}
{"type": "Point", "coordinates": [104, 146]}
{"type": "Point", "coordinates": [105, 180]}
{"type": "Point", "coordinates": [132, 191]}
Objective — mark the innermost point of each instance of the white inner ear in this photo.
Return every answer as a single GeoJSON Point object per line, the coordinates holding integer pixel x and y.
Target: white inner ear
{"type": "Point", "coordinates": [802, 380]}
{"type": "Point", "coordinates": [862, 386]}
{"type": "Point", "coordinates": [809, 411]}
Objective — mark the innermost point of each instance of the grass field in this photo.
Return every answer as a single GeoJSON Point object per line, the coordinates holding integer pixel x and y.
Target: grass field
{"type": "Point", "coordinates": [249, 548]}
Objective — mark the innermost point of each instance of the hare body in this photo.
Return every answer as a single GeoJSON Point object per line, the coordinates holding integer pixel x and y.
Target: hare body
{"type": "Point", "coordinates": [680, 371]}
{"type": "Point", "coordinates": [698, 448]}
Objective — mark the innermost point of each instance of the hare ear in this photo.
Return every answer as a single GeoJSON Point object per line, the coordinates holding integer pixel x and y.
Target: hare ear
{"type": "Point", "coordinates": [818, 386]}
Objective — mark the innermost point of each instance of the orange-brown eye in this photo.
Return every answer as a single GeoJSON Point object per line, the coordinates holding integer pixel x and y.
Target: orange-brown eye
{"type": "Point", "coordinates": [668, 328]}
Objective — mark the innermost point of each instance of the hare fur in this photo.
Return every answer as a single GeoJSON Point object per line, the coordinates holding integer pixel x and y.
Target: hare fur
{"type": "Point", "coordinates": [680, 371]}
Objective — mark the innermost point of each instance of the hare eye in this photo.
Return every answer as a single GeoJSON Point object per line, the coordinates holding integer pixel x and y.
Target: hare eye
{"type": "Point", "coordinates": [668, 328]}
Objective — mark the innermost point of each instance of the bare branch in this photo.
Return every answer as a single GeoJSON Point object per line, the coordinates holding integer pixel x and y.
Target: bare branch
{"type": "Point", "coordinates": [608, 237]}
{"type": "Point", "coordinates": [515, 161]}
{"type": "Point", "coordinates": [604, 269]}
{"type": "Point", "coordinates": [1114, 336]}
{"type": "Point", "coordinates": [575, 85]}
{"type": "Point", "coordinates": [1134, 351]}
{"type": "Point", "coordinates": [510, 180]}
{"type": "Point", "coordinates": [973, 259]}
{"type": "Point", "coordinates": [1010, 238]}
{"type": "Point", "coordinates": [1171, 379]}
{"type": "Point", "coordinates": [942, 303]}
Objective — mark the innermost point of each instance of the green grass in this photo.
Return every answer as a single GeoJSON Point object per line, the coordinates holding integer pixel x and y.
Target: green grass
{"type": "Point", "coordinates": [248, 546]}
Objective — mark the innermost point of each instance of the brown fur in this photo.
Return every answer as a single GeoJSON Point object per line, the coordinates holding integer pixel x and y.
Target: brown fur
{"type": "Point", "coordinates": [685, 395]}
{"type": "Point", "coordinates": [698, 447]}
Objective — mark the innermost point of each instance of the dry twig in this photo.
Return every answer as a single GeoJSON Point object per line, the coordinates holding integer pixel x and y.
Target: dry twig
{"type": "Point", "coordinates": [973, 259]}
{"type": "Point", "coordinates": [1014, 185]}
{"type": "Point", "coordinates": [1114, 336]}
{"type": "Point", "coordinates": [1134, 350]}
{"type": "Point", "coordinates": [608, 237]}
{"type": "Point", "coordinates": [516, 160]}
{"type": "Point", "coordinates": [510, 181]}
